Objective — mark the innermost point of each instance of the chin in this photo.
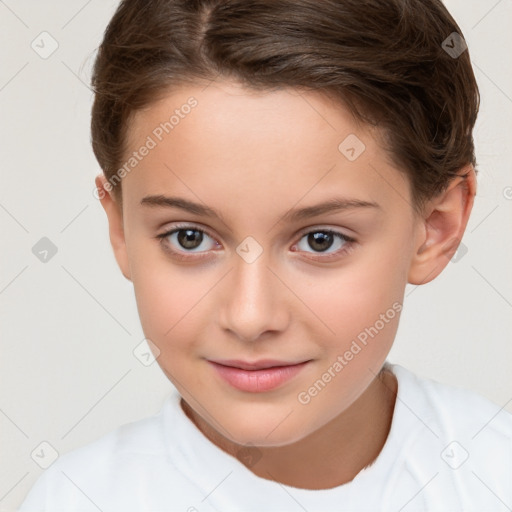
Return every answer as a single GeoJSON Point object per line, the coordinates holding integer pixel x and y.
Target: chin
{"type": "Point", "coordinates": [265, 435]}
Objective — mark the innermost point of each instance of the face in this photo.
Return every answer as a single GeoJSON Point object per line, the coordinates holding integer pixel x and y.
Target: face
{"type": "Point", "coordinates": [254, 272]}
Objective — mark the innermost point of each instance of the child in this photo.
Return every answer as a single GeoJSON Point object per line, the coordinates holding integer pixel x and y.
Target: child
{"type": "Point", "coordinates": [236, 136]}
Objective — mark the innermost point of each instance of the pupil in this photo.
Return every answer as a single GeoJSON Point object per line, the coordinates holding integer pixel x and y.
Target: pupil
{"type": "Point", "coordinates": [318, 241]}
{"type": "Point", "coordinates": [190, 237]}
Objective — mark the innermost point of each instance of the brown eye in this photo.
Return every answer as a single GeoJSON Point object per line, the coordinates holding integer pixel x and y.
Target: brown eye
{"type": "Point", "coordinates": [189, 238]}
{"type": "Point", "coordinates": [320, 241]}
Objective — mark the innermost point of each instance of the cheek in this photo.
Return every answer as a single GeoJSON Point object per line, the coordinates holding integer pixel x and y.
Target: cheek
{"type": "Point", "coordinates": [363, 308]}
{"type": "Point", "coordinates": [345, 301]}
{"type": "Point", "coordinates": [168, 299]}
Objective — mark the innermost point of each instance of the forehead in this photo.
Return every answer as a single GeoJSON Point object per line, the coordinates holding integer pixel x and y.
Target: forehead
{"type": "Point", "coordinates": [247, 115]}
{"type": "Point", "coordinates": [210, 142]}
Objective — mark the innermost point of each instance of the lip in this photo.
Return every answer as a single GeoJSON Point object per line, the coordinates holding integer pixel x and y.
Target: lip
{"type": "Point", "coordinates": [259, 376]}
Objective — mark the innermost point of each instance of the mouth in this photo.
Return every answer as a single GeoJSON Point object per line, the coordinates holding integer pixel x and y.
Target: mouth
{"type": "Point", "coordinates": [257, 365]}
{"type": "Point", "coordinates": [258, 376]}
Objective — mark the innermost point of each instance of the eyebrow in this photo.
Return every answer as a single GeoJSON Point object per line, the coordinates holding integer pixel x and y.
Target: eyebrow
{"type": "Point", "coordinates": [294, 215]}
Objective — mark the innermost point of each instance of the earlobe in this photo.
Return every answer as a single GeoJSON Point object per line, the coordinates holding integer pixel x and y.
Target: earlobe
{"type": "Point", "coordinates": [115, 224]}
{"type": "Point", "coordinates": [442, 227]}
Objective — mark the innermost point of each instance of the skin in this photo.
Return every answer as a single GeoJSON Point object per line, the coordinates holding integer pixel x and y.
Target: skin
{"type": "Point", "coordinates": [253, 156]}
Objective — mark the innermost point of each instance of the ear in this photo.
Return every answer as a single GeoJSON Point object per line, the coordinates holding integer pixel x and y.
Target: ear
{"type": "Point", "coordinates": [115, 222]}
{"type": "Point", "coordinates": [442, 226]}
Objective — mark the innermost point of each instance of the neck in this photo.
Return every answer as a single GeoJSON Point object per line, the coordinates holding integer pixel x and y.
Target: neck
{"type": "Point", "coordinates": [332, 455]}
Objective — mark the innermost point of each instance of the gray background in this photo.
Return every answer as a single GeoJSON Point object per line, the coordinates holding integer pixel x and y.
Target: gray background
{"type": "Point", "coordinates": [69, 325]}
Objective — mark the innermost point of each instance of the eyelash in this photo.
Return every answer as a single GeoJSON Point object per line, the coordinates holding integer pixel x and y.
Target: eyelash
{"type": "Point", "coordinates": [347, 247]}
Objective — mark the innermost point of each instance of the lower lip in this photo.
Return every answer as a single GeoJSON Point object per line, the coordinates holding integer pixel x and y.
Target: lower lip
{"type": "Point", "coordinates": [257, 381]}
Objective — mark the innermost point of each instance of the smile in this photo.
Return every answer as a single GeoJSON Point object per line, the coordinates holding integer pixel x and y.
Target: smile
{"type": "Point", "coordinates": [257, 377]}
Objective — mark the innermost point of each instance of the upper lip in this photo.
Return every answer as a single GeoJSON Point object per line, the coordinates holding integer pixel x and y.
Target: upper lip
{"type": "Point", "coordinates": [256, 365]}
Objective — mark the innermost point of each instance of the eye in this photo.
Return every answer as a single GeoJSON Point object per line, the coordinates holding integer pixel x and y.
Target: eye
{"type": "Point", "coordinates": [186, 239]}
{"type": "Point", "coordinates": [321, 240]}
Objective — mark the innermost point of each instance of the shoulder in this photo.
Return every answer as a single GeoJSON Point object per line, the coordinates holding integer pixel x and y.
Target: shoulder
{"type": "Point", "coordinates": [141, 439]}
{"type": "Point", "coordinates": [454, 439]}
{"type": "Point", "coordinates": [89, 476]}
{"type": "Point", "coordinates": [453, 408]}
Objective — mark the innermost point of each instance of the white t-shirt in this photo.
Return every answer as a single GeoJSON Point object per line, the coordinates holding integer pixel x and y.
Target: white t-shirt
{"type": "Point", "coordinates": [448, 450]}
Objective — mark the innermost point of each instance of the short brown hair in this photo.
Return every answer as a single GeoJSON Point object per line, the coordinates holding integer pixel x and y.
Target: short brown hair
{"type": "Point", "coordinates": [383, 59]}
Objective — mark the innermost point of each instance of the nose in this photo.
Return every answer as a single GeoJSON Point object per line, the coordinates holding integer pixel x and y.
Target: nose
{"type": "Point", "coordinates": [254, 300]}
